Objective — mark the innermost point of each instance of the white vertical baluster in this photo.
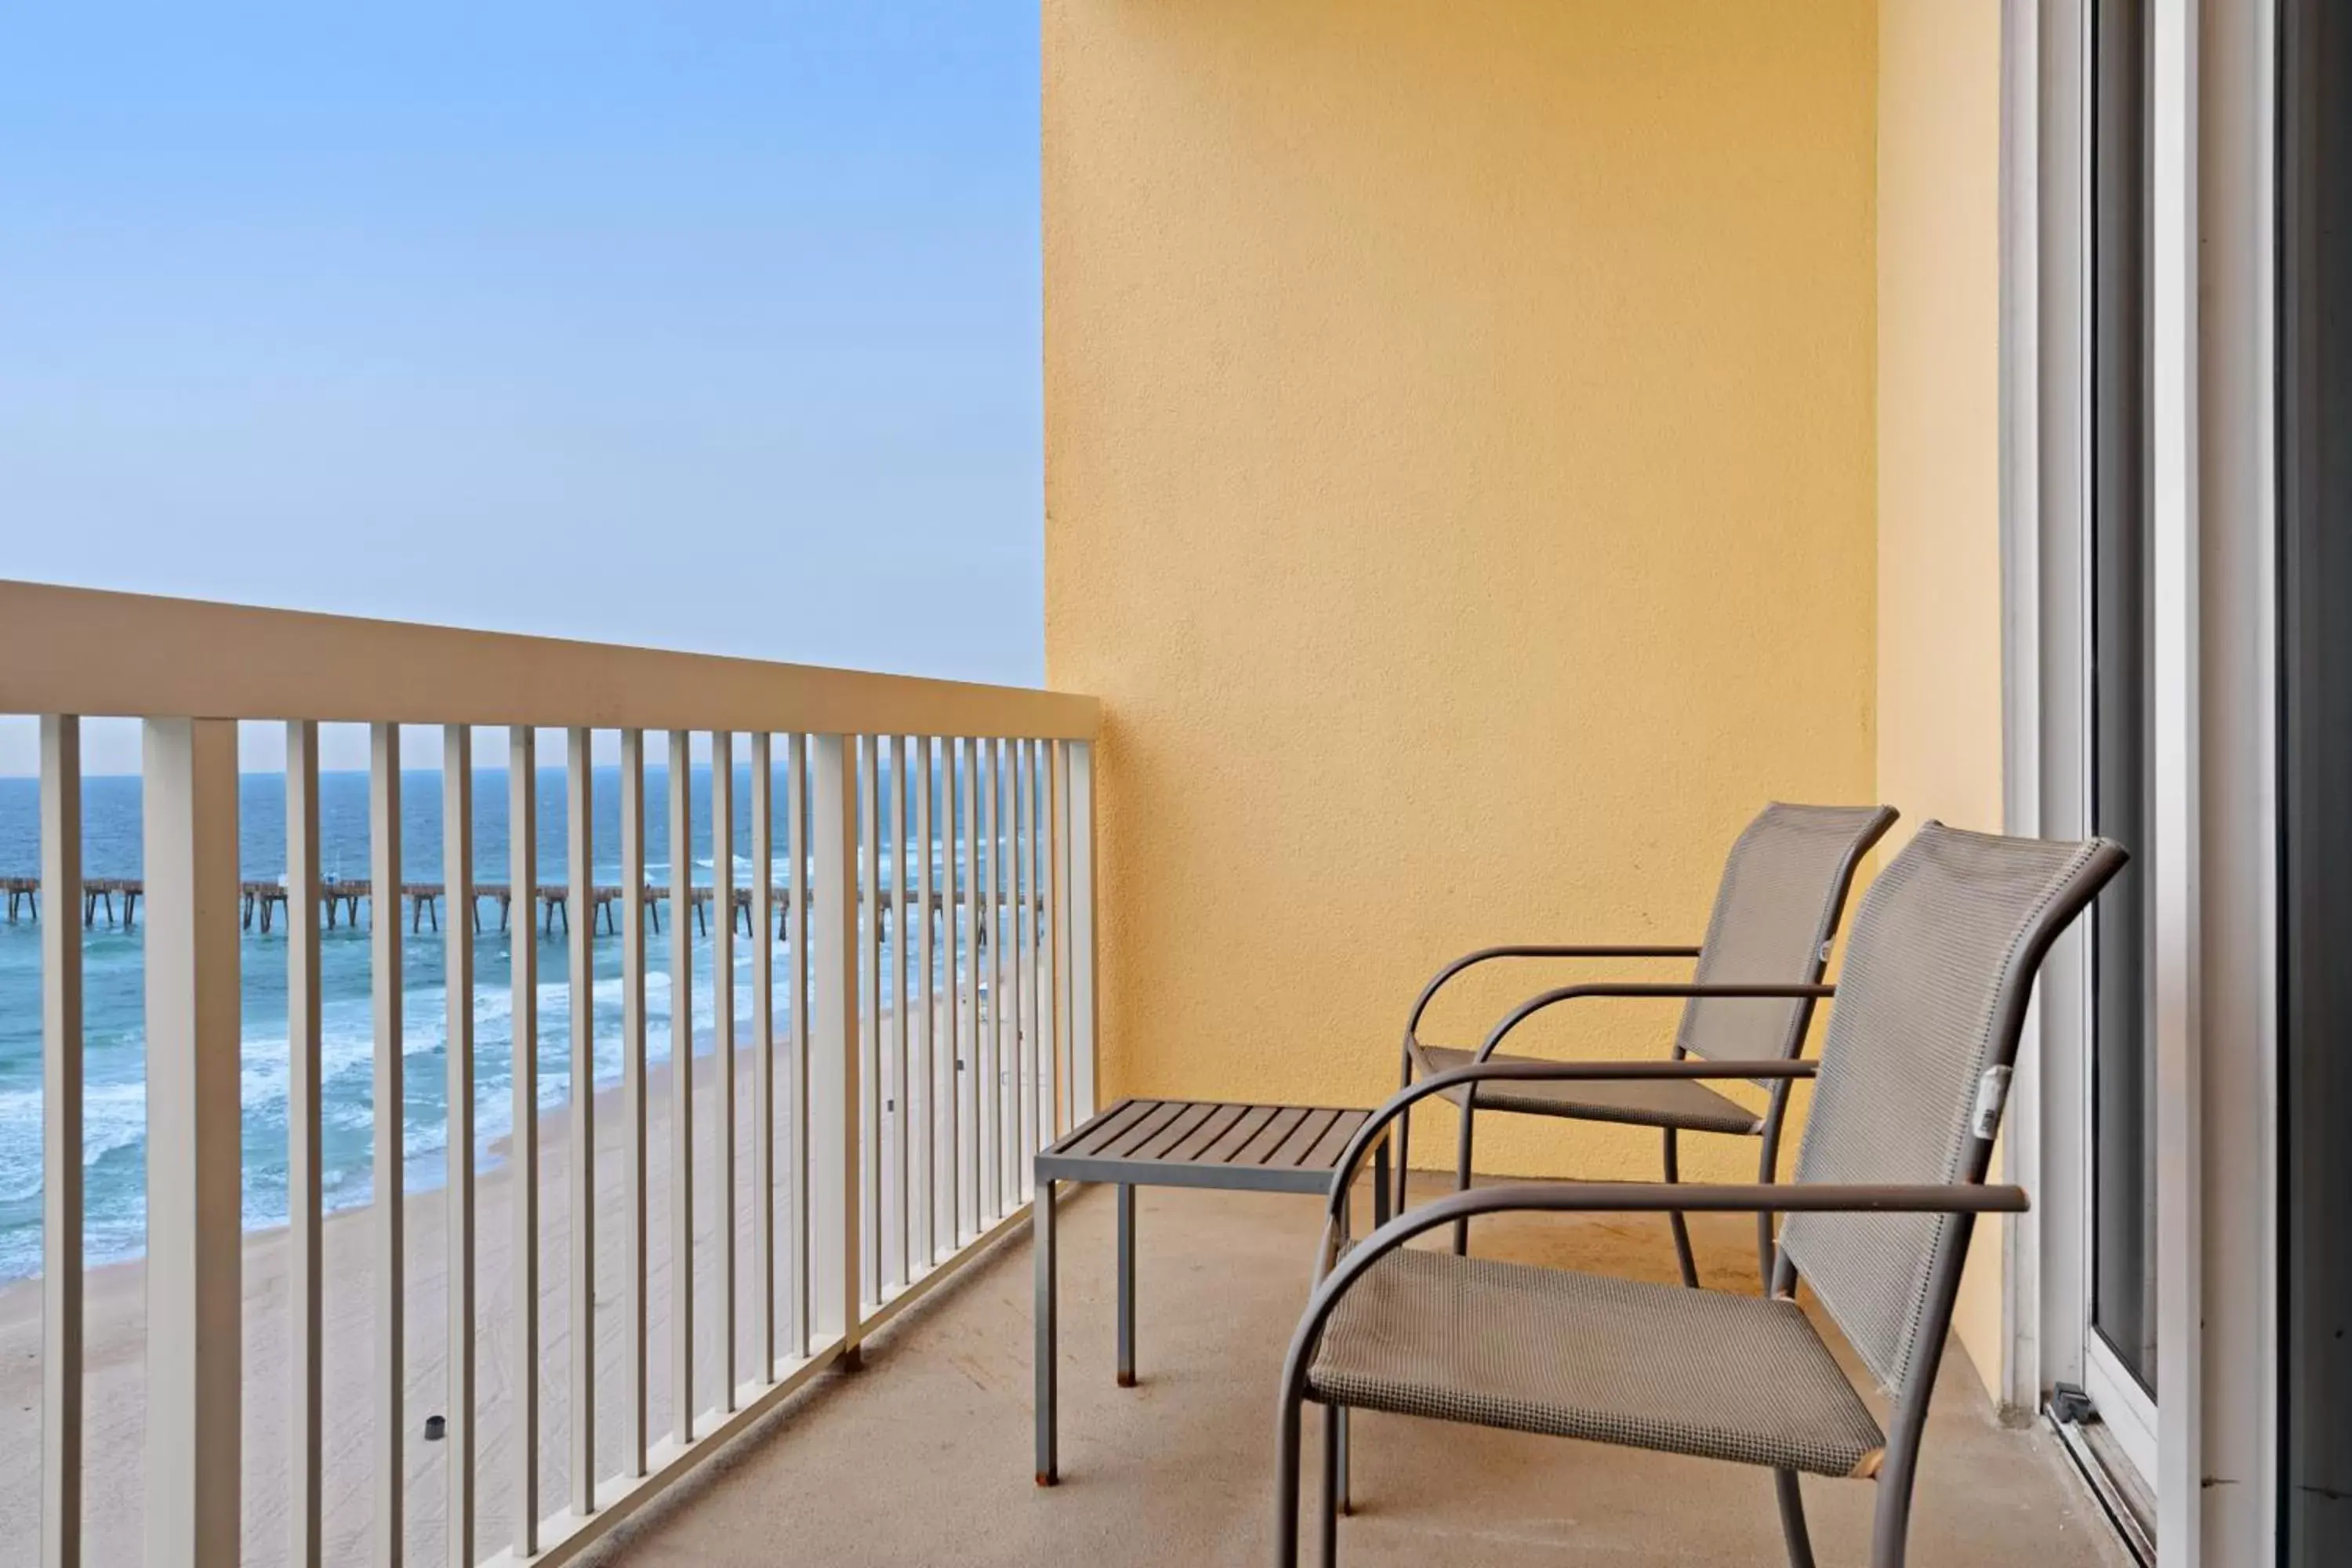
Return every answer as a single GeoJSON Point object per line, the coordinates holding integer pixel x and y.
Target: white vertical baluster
{"type": "Point", "coordinates": [869, 1031]}
{"type": "Point", "coordinates": [635, 1421]}
{"type": "Point", "coordinates": [763, 1054]}
{"type": "Point", "coordinates": [458, 1218]}
{"type": "Point", "coordinates": [1002, 978]}
{"type": "Point", "coordinates": [833, 1164]}
{"type": "Point", "coordinates": [1008, 843]}
{"type": "Point", "coordinates": [1049, 952]}
{"type": "Point", "coordinates": [305, 1317]}
{"type": "Point", "coordinates": [681, 1087]}
{"type": "Point", "coordinates": [61, 1143]}
{"type": "Point", "coordinates": [523, 945]}
{"type": "Point", "coordinates": [1008, 973]}
{"type": "Point", "coordinates": [1082, 929]}
{"type": "Point", "coordinates": [1027, 1057]}
{"type": "Point", "coordinates": [897, 1251]}
{"type": "Point", "coordinates": [1017, 969]}
{"type": "Point", "coordinates": [722, 1041]}
{"type": "Point", "coordinates": [580, 1141]}
{"type": "Point", "coordinates": [797, 1066]}
{"type": "Point", "coordinates": [967, 993]}
{"type": "Point", "coordinates": [984, 966]}
{"type": "Point", "coordinates": [388, 1169]}
{"type": "Point", "coordinates": [1016, 952]}
{"type": "Point", "coordinates": [195, 1223]}
{"type": "Point", "coordinates": [927, 1135]}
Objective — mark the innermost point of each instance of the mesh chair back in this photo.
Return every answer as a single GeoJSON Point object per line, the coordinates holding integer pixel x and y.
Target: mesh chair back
{"type": "Point", "coordinates": [1784, 886]}
{"type": "Point", "coordinates": [1938, 965]}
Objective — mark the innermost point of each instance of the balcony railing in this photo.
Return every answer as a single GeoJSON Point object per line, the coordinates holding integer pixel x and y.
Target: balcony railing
{"type": "Point", "coordinates": [919, 1059]}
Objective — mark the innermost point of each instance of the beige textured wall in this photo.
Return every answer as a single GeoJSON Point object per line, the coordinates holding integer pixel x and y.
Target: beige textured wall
{"type": "Point", "coordinates": [1939, 734]}
{"type": "Point", "coordinates": [1459, 488]}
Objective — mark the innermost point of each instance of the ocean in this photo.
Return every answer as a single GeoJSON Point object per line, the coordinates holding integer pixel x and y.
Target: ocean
{"type": "Point", "coordinates": [115, 1134]}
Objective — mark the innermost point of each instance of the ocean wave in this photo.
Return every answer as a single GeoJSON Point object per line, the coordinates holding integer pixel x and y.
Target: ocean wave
{"type": "Point", "coordinates": [115, 1100]}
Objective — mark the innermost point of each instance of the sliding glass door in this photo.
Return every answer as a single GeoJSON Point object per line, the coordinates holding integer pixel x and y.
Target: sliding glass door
{"type": "Point", "coordinates": [2314, 567]}
{"type": "Point", "coordinates": [2119, 1144]}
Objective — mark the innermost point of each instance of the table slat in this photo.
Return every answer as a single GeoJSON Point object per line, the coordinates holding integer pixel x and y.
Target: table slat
{"type": "Point", "coordinates": [1327, 1151]}
{"type": "Point", "coordinates": [1141, 1132]}
{"type": "Point", "coordinates": [1252, 1119]}
{"type": "Point", "coordinates": [1309, 1131]}
{"type": "Point", "coordinates": [1091, 1138]}
{"type": "Point", "coordinates": [1209, 1131]}
{"type": "Point", "coordinates": [1255, 1151]}
{"type": "Point", "coordinates": [1175, 1132]}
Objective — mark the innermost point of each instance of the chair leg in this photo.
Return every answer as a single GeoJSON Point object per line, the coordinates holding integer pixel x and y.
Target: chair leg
{"type": "Point", "coordinates": [1461, 1177]}
{"type": "Point", "coordinates": [1286, 1485]}
{"type": "Point", "coordinates": [1347, 1461]}
{"type": "Point", "coordinates": [1675, 1217]}
{"type": "Point", "coordinates": [1890, 1524]}
{"type": "Point", "coordinates": [1404, 1157]}
{"type": "Point", "coordinates": [1334, 1418]}
{"type": "Point", "coordinates": [1792, 1519]}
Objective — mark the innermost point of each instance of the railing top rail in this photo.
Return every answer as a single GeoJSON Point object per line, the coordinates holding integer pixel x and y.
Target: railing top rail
{"type": "Point", "coordinates": [82, 650]}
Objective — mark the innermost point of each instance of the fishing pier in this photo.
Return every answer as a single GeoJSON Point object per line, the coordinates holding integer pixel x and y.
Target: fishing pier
{"type": "Point", "coordinates": [262, 904]}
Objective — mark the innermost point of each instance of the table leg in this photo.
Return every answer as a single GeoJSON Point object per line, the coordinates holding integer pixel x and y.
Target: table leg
{"type": "Point", "coordinates": [1125, 1285]}
{"type": "Point", "coordinates": [1041, 1231]}
{"type": "Point", "coordinates": [1381, 1183]}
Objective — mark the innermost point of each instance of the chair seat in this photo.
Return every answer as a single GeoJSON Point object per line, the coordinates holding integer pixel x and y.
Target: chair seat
{"type": "Point", "coordinates": [1582, 1355]}
{"type": "Point", "coordinates": [1679, 1102]}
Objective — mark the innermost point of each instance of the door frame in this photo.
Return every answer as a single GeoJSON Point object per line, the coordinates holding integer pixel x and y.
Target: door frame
{"type": "Point", "coordinates": [2213, 229]}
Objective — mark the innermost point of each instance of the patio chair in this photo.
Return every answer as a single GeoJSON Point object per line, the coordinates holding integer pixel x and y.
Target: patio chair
{"type": "Point", "coordinates": [1751, 997]}
{"type": "Point", "coordinates": [1909, 1090]}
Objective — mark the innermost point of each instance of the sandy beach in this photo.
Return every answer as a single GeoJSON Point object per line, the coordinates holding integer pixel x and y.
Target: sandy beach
{"type": "Point", "coordinates": [116, 1338]}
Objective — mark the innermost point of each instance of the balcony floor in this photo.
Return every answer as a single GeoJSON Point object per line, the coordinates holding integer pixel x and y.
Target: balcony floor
{"type": "Point", "coordinates": [924, 1457]}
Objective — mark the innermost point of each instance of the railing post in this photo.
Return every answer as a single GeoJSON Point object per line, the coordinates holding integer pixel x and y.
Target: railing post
{"type": "Point", "coordinates": [61, 1143]}
{"type": "Point", "coordinates": [305, 1186]}
{"type": "Point", "coordinates": [387, 1223]}
{"type": "Point", "coordinates": [458, 1204]}
{"type": "Point", "coordinates": [796, 1062]}
{"type": "Point", "coordinates": [971, 1213]}
{"type": "Point", "coordinates": [722, 1046]}
{"type": "Point", "coordinates": [866, 817]}
{"type": "Point", "coordinates": [832, 1153]}
{"type": "Point", "coordinates": [195, 1223]}
{"type": "Point", "coordinates": [522, 946]}
{"type": "Point", "coordinates": [763, 1053]}
{"type": "Point", "coordinates": [680, 783]}
{"type": "Point", "coordinates": [990, 967]}
{"type": "Point", "coordinates": [1059, 1095]}
{"type": "Point", "coordinates": [634, 1423]}
{"type": "Point", "coordinates": [580, 847]}
{"type": "Point", "coordinates": [1082, 930]}
{"type": "Point", "coordinates": [924, 1000]}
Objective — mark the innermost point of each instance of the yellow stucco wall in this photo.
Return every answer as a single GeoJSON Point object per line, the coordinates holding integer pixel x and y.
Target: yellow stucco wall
{"type": "Point", "coordinates": [1939, 733]}
{"type": "Point", "coordinates": [1459, 487]}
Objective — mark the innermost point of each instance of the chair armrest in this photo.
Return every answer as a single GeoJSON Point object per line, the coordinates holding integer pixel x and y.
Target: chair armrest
{"type": "Point", "coordinates": [1537, 1004]}
{"type": "Point", "coordinates": [1531, 950]}
{"type": "Point", "coordinates": [1351, 1159]}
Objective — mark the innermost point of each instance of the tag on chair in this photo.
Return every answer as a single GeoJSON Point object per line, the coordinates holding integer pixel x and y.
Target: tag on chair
{"type": "Point", "coordinates": [1992, 1093]}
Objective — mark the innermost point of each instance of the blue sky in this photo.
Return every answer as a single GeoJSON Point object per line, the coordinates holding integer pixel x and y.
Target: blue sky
{"type": "Point", "coordinates": [700, 326]}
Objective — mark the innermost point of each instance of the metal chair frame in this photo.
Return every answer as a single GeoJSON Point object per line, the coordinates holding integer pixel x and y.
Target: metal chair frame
{"type": "Point", "coordinates": [1807, 989]}
{"type": "Point", "coordinates": [1338, 1268]}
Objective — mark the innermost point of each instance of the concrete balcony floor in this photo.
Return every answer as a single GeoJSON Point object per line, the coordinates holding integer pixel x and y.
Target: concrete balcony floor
{"type": "Point", "coordinates": [924, 1457]}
